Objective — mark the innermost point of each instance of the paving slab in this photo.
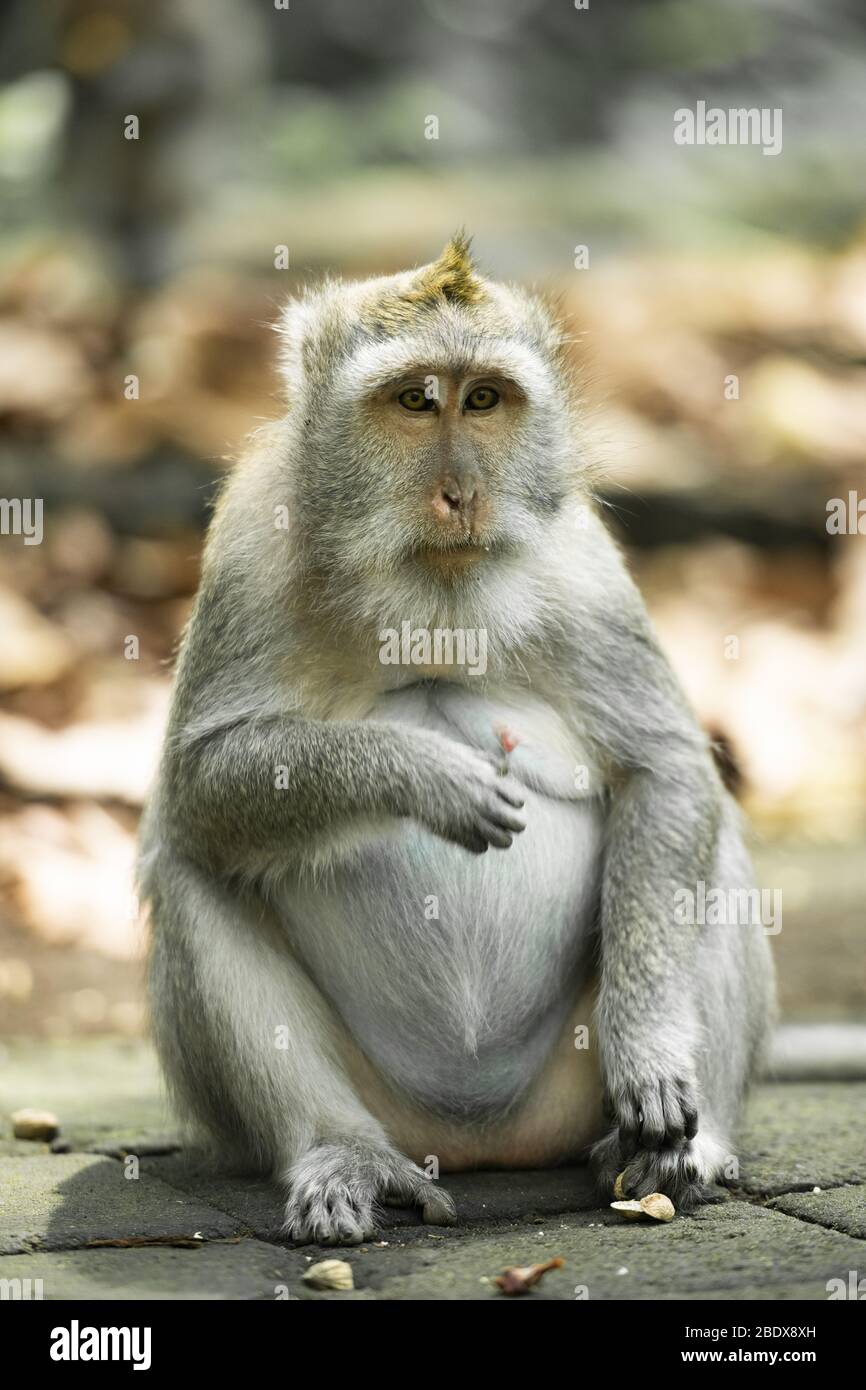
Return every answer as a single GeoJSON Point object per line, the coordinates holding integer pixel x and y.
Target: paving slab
{"type": "Point", "coordinates": [102, 1090]}
{"type": "Point", "coordinates": [62, 1200]}
{"type": "Point", "coordinates": [737, 1251]}
{"type": "Point", "coordinates": [481, 1197]}
{"type": "Point", "coordinates": [255, 1204]}
{"type": "Point", "coordinates": [733, 1251]}
{"type": "Point", "coordinates": [797, 1136]}
{"type": "Point", "coordinates": [840, 1209]}
{"type": "Point", "coordinates": [774, 1240]}
{"type": "Point", "coordinates": [250, 1269]}
{"type": "Point", "coordinates": [800, 1135]}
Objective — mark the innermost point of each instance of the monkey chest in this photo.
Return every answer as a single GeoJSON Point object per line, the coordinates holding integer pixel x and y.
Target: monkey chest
{"type": "Point", "coordinates": [455, 972]}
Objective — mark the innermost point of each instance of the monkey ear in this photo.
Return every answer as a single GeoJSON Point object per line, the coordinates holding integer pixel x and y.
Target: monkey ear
{"type": "Point", "coordinates": [294, 327]}
{"type": "Point", "coordinates": [314, 330]}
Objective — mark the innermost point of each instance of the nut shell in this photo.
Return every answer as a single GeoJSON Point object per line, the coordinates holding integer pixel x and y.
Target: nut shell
{"type": "Point", "coordinates": [330, 1274]}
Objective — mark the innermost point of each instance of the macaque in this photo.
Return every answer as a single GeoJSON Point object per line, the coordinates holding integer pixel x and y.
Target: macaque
{"type": "Point", "coordinates": [387, 896]}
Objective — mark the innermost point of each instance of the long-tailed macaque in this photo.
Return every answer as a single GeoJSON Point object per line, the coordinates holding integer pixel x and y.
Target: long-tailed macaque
{"type": "Point", "coordinates": [414, 643]}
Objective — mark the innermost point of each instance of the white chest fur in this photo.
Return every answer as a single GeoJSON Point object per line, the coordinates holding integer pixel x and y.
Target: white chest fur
{"type": "Point", "coordinates": [455, 973]}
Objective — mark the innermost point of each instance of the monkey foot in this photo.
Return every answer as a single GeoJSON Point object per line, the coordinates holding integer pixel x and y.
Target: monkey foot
{"type": "Point", "coordinates": [336, 1189]}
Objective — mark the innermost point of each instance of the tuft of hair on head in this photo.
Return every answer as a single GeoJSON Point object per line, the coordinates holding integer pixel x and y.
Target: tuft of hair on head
{"type": "Point", "coordinates": [451, 279]}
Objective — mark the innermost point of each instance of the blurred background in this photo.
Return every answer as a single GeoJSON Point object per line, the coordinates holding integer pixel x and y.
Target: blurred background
{"type": "Point", "coordinates": [719, 318]}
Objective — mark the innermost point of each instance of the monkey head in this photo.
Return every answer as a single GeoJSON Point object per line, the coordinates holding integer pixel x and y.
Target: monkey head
{"type": "Point", "coordinates": [435, 415]}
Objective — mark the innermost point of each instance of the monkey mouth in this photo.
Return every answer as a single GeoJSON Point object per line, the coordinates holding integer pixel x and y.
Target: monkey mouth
{"type": "Point", "coordinates": [455, 557]}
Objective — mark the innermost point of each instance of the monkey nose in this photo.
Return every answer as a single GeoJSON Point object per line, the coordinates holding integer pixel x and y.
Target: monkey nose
{"type": "Point", "coordinates": [455, 501]}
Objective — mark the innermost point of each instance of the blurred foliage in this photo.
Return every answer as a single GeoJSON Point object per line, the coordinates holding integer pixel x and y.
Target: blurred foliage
{"type": "Point", "coordinates": [305, 127]}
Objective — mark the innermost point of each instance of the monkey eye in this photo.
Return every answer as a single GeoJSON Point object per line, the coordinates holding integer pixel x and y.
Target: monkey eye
{"type": "Point", "coordinates": [414, 398]}
{"type": "Point", "coordinates": [481, 398]}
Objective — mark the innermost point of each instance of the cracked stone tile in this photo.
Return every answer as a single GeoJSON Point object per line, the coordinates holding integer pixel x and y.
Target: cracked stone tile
{"type": "Point", "coordinates": [481, 1197]}
{"type": "Point", "coordinates": [734, 1251]}
{"type": "Point", "coordinates": [841, 1209]}
{"type": "Point", "coordinates": [61, 1200]}
{"type": "Point", "coordinates": [803, 1135]}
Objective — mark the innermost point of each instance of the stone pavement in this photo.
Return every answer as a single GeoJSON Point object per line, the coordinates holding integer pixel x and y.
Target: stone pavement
{"type": "Point", "coordinates": [774, 1238]}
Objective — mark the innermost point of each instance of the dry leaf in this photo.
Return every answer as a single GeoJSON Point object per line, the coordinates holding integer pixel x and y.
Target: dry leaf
{"type": "Point", "coordinates": [518, 1279]}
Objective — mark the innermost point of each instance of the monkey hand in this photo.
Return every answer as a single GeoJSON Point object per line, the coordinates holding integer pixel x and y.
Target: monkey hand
{"type": "Point", "coordinates": [655, 1110]}
{"type": "Point", "coordinates": [459, 793]}
{"type": "Point", "coordinates": [652, 1104]}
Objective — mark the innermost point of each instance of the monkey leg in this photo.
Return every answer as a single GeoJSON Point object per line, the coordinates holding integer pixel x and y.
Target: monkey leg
{"type": "Point", "coordinates": [252, 1054]}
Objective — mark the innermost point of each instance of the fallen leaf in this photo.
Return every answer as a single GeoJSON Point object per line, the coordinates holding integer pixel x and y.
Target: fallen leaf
{"type": "Point", "coordinates": [519, 1279]}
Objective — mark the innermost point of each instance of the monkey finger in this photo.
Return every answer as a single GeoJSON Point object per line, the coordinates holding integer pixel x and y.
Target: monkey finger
{"type": "Point", "coordinates": [495, 835]}
{"type": "Point", "coordinates": [671, 1094]}
{"type": "Point", "coordinates": [628, 1113]}
{"type": "Point", "coordinates": [472, 839]}
{"type": "Point", "coordinates": [510, 790]}
{"type": "Point", "coordinates": [506, 819]}
{"type": "Point", "coordinates": [653, 1131]}
{"type": "Point", "coordinates": [689, 1110]}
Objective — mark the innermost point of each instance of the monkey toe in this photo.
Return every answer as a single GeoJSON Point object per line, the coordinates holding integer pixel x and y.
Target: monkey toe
{"type": "Point", "coordinates": [347, 1233]}
{"type": "Point", "coordinates": [412, 1188]}
{"type": "Point", "coordinates": [329, 1219]}
{"type": "Point", "coordinates": [438, 1209]}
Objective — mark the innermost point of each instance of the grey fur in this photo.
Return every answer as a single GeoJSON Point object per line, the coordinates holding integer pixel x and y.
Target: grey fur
{"type": "Point", "coordinates": [300, 907]}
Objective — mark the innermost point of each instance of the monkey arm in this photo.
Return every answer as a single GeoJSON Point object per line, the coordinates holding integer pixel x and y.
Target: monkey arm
{"type": "Point", "coordinates": [665, 810]}
{"type": "Point", "coordinates": [257, 784]}
{"type": "Point", "coordinates": [266, 786]}
{"type": "Point", "coordinates": [661, 838]}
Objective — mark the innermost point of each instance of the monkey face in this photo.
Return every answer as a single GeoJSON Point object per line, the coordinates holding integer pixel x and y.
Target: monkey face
{"type": "Point", "coordinates": [457, 451]}
{"type": "Point", "coordinates": [450, 433]}
{"type": "Point", "coordinates": [437, 422]}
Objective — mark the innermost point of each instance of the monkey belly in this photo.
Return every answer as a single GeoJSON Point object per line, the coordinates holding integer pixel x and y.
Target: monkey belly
{"type": "Point", "coordinates": [457, 975]}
